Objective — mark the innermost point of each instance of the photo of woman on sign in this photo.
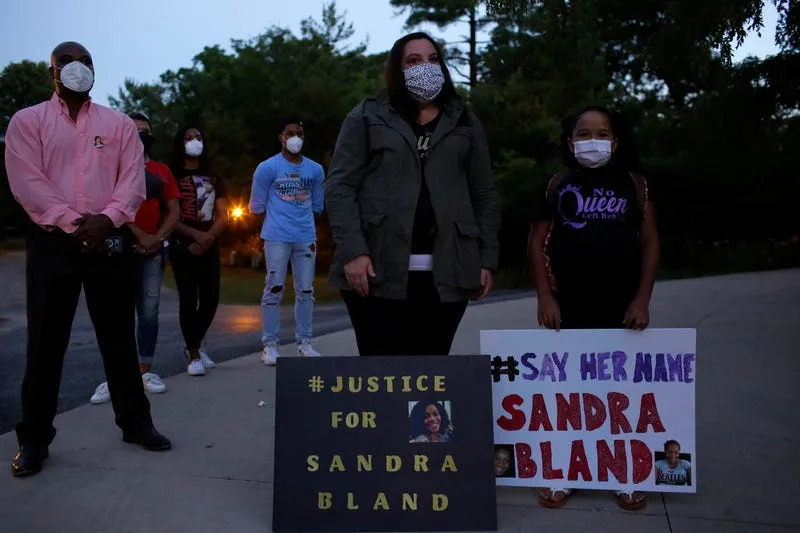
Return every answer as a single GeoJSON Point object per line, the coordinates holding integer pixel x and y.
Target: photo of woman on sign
{"type": "Point", "coordinates": [504, 460]}
{"type": "Point", "coordinates": [673, 470]}
{"type": "Point", "coordinates": [430, 422]}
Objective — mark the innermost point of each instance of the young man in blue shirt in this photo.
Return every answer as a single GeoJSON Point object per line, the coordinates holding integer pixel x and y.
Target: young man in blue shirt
{"type": "Point", "coordinates": [287, 188]}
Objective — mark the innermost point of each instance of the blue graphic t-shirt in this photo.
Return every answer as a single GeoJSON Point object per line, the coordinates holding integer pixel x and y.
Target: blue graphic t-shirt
{"type": "Point", "coordinates": [289, 194]}
{"type": "Point", "coordinates": [665, 475]}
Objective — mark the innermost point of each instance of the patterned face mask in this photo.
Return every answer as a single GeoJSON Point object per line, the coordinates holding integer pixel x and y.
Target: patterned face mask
{"type": "Point", "coordinates": [424, 82]}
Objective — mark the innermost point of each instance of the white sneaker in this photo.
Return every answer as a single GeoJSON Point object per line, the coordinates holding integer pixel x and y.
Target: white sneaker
{"type": "Point", "coordinates": [304, 348]}
{"type": "Point", "coordinates": [196, 368]}
{"type": "Point", "coordinates": [207, 361]}
{"type": "Point", "coordinates": [152, 383]}
{"type": "Point", "coordinates": [270, 355]}
{"type": "Point", "coordinates": [101, 394]}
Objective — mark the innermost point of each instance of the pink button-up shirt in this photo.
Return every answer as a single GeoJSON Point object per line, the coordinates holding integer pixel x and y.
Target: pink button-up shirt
{"type": "Point", "coordinates": [59, 170]}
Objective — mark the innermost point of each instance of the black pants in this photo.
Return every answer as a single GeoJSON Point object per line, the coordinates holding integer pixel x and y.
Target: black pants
{"type": "Point", "coordinates": [419, 325]}
{"type": "Point", "coordinates": [592, 312]}
{"type": "Point", "coordinates": [197, 278]}
{"type": "Point", "coordinates": [56, 269]}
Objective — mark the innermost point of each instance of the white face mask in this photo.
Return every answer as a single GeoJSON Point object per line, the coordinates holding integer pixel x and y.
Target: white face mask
{"type": "Point", "coordinates": [424, 82]}
{"type": "Point", "coordinates": [294, 144]}
{"type": "Point", "coordinates": [593, 153]}
{"type": "Point", "coordinates": [77, 77]}
{"type": "Point", "coordinates": [194, 148]}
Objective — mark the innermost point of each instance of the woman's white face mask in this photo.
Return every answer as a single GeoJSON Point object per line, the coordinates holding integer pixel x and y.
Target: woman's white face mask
{"type": "Point", "coordinates": [194, 148]}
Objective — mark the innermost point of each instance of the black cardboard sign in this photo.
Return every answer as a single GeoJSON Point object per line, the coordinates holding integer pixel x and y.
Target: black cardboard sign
{"type": "Point", "coordinates": [384, 444]}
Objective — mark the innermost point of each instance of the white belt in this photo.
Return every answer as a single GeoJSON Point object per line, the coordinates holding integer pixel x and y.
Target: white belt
{"type": "Point", "coordinates": [420, 262]}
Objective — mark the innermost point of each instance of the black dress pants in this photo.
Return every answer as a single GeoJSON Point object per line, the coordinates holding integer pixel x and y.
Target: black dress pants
{"type": "Point", "coordinates": [198, 282]}
{"type": "Point", "coordinates": [56, 270]}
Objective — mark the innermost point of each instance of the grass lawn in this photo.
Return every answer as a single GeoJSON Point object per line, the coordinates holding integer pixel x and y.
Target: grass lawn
{"type": "Point", "coordinates": [7, 245]}
{"type": "Point", "coordinates": [245, 286]}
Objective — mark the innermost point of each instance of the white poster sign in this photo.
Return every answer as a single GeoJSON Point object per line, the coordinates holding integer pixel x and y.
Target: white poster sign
{"type": "Point", "coordinates": [598, 409]}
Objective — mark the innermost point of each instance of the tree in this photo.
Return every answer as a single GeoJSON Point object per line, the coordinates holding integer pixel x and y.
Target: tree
{"type": "Point", "coordinates": [22, 84]}
{"type": "Point", "coordinates": [718, 140]}
{"type": "Point", "coordinates": [239, 94]}
{"type": "Point", "coordinates": [446, 12]}
{"type": "Point", "coordinates": [721, 22]}
{"type": "Point", "coordinates": [679, 92]}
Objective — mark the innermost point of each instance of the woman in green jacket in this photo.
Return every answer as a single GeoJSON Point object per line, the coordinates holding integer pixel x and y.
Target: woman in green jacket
{"type": "Point", "coordinates": [413, 208]}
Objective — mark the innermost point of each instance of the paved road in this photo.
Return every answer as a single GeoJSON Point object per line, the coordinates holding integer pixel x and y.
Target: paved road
{"type": "Point", "coordinates": [219, 476]}
{"type": "Point", "coordinates": [236, 331]}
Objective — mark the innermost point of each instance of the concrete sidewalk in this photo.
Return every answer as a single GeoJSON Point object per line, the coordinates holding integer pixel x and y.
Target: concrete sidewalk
{"type": "Point", "coordinates": [218, 477]}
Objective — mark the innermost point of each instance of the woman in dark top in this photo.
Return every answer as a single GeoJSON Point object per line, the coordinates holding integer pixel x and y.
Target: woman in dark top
{"type": "Point", "coordinates": [413, 208]}
{"type": "Point", "coordinates": [593, 244]}
{"type": "Point", "coordinates": [195, 251]}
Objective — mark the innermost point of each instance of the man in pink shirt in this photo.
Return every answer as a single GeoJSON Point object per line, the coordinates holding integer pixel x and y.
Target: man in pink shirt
{"type": "Point", "coordinates": [77, 168]}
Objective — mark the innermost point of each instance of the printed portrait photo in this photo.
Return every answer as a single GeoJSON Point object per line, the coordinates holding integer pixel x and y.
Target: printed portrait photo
{"type": "Point", "coordinates": [430, 421]}
{"type": "Point", "coordinates": [205, 194]}
{"type": "Point", "coordinates": [673, 467]}
{"type": "Point", "coordinates": [504, 465]}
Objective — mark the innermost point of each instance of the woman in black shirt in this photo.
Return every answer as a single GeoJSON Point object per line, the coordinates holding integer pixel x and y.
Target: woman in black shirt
{"type": "Point", "coordinates": [195, 251]}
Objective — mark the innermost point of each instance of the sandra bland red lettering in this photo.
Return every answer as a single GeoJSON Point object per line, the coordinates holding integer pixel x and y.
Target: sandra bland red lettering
{"type": "Point", "coordinates": [616, 462]}
{"type": "Point", "coordinates": [584, 411]}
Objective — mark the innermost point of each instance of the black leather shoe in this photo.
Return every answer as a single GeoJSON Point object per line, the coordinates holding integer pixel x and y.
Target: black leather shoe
{"type": "Point", "coordinates": [149, 439]}
{"type": "Point", "coordinates": [28, 460]}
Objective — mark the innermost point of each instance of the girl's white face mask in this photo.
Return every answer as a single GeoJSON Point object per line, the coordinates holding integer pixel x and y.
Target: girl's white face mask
{"type": "Point", "coordinates": [592, 153]}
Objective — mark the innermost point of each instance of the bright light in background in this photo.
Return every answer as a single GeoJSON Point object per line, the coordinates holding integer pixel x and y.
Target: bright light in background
{"type": "Point", "coordinates": [237, 212]}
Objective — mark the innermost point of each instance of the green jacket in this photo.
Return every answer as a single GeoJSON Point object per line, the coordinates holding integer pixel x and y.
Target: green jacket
{"type": "Point", "coordinates": [371, 196]}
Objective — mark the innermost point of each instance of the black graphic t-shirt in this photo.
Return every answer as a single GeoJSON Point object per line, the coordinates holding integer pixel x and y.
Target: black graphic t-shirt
{"type": "Point", "coordinates": [593, 247]}
{"type": "Point", "coordinates": [199, 193]}
{"type": "Point", "coordinates": [424, 230]}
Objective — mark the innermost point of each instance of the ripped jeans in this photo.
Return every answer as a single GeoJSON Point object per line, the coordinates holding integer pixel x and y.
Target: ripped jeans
{"type": "Point", "coordinates": [303, 256]}
{"type": "Point", "coordinates": [148, 295]}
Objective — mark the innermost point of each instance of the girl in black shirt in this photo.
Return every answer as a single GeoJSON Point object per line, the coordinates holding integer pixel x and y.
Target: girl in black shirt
{"type": "Point", "coordinates": [593, 244]}
{"type": "Point", "coordinates": [194, 250]}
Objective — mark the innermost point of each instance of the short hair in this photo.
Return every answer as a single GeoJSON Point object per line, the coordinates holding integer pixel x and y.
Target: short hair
{"type": "Point", "coordinates": [672, 443]}
{"type": "Point", "coordinates": [139, 115]}
{"type": "Point", "coordinates": [418, 417]}
{"type": "Point", "coordinates": [289, 120]}
{"type": "Point", "coordinates": [509, 449]}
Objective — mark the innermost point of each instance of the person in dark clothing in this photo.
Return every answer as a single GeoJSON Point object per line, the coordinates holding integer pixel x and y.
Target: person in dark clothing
{"type": "Point", "coordinates": [194, 250]}
{"type": "Point", "coordinates": [594, 245]}
{"type": "Point", "coordinates": [77, 168]}
{"type": "Point", "coordinates": [413, 208]}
